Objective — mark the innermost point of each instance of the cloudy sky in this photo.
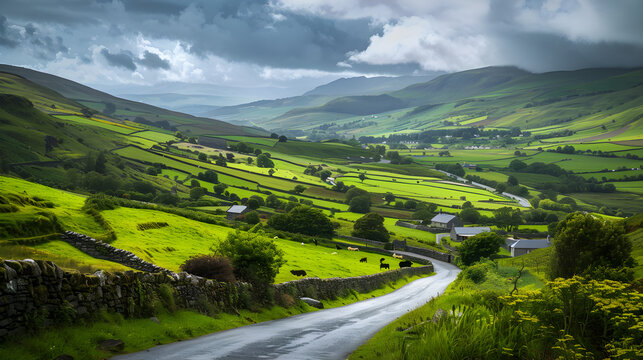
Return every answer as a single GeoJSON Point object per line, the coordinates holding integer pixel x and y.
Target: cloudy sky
{"type": "Point", "coordinates": [296, 44]}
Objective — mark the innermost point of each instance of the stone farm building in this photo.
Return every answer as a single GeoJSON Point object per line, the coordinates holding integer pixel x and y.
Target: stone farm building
{"type": "Point", "coordinates": [522, 247]}
{"type": "Point", "coordinates": [461, 233]}
{"type": "Point", "coordinates": [445, 221]}
{"type": "Point", "coordinates": [235, 210]}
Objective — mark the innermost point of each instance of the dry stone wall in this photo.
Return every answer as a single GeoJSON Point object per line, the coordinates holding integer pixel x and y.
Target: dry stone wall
{"type": "Point", "coordinates": [38, 293]}
{"type": "Point", "coordinates": [104, 251]}
{"type": "Point", "coordinates": [325, 289]}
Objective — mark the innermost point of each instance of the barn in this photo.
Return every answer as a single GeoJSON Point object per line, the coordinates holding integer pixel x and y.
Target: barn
{"type": "Point", "coordinates": [235, 210]}
{"type": "Point", "coordinates": [522, 246]}
{"type": "Point", "coordinates": [445, 221]}
{"type": "Point", "coordinates": [461, 233]}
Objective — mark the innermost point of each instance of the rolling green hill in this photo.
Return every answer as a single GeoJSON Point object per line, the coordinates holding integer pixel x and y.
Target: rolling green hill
{"type": "Point", "coordinates": [125, 109]}
{"type": "Point", "coordinates": [581, 101]}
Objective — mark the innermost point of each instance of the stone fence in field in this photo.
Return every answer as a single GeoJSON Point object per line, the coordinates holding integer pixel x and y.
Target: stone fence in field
{"type": "Point", "coordinates": [332, 288]}
{"type": "Point", "coordinates": [104, 251]}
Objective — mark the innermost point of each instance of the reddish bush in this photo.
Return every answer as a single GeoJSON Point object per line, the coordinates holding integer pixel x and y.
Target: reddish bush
{"type": "Point", "coordinates": [210, 266]}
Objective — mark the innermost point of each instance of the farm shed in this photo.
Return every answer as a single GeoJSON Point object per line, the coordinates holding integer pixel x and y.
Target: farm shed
{"type": "Point", "coordinates": [522, 247]}
{"type": "Point", "coordinates": [445, 221]}
{"type": "Point", "coordinates": [235, 210]}
{"type": "Point", "coordinates": [461, 233]}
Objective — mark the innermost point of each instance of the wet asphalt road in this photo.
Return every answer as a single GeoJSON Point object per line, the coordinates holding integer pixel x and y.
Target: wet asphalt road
{"type": "Point", "coordinates": [326, 334]}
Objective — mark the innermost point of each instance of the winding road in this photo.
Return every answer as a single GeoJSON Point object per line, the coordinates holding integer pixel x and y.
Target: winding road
{"type": "Point", "coordinates": [326, 334]}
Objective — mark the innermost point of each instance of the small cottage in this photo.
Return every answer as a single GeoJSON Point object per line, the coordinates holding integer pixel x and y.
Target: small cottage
{"type": "Point", "coordinates": [235, 210]}
{"type": "Point", "coordinates": [522, 246]}
{"type": "Point", "coordinates": [445, 221]}
{"type": "Point", "coordinates": [461, 233]}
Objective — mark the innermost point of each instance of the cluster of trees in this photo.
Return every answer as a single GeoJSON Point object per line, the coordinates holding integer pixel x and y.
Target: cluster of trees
{"type": "Point", "coordinates": [280, 138]}
{"type": "Point", "coordinates": [567, 183]}
{"type": "Point", "coordinates": [396, 158]}
{"type": "Point", "coordinates": [317, 171]}
{"type": "Point", "coordinates": [569, 149]}
{"type": "Point", "coordinates": [371, 226]}
{"type": "Point", "coordinates": [274, 202]}
{"type": "Point", "coordinates": [358, 200]}
{"type": "Point", "coordinates": [455, 169]}
{"type": "Point", "coordinates": [433, 136]}
{"type": "Point", "coordinates": [303, 220]}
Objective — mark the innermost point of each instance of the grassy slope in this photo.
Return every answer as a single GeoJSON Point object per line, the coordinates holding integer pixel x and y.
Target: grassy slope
{"type": "Point", "coordinates": [125, 109]}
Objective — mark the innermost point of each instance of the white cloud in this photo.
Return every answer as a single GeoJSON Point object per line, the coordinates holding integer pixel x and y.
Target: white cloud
{"type": "Point", "coordinates": [432, 45]}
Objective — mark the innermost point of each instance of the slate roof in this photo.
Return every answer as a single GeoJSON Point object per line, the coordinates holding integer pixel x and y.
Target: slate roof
{"type": "Point", "coordinates": [531, 244]}
{"type": "Point", "coordinates": [237, 209]}
{"type": "Point", "coordinates": [443, 218]}
{"type": "Point", "coordinates": [470, 231]}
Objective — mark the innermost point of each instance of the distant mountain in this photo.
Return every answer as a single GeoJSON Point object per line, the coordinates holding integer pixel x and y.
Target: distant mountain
{"type": "Point", "coordinates": [260, 112]}
{"type": "Point", "coordinates": [125, 109]}
{"type": "Point", "coordinates": [368, 85]}
{"type": "Point", "coordinates": [590, 101]}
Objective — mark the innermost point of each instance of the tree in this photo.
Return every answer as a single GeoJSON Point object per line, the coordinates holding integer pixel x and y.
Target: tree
{"type": "Point", "coordinates": [252, 217]}
{"type": "Point", "coordinates": [221, 161]}
{"type": "Point", "coordinates": [255, 259]}
{"type": "Point", "coordinates": [389, 198]}
{"type": "Point", "coordinates": [511, 180]}
{"type": "Point", "coordinates": [253, 204]}
{"type": "Point", "coordinates": [283, 138]}
{"type": "Point", "coordinates": [258, 152]}
{"type": "Point", "coordinates": [423, 214]}
{"type": "Point", "coordinates": [507, 218]}
{"type": "Point", "coordinates": [209, 266]}
{"type": "Point", "coordinates": [196, 193]}
{"type": "Point", "coordinates": [360, 204]}
{"type": "Point", "coordinates": [470, 215]}
{"type": "Point", "coordinates": [482, 245]}
{"type": "Point", "coordinates": [362, 177]}
{"type": "Point", "coordinates": [220, 188]}
{"type": "Point", "coordinates": [264, 161]}
{"type": "Point", "coordinates": [324, 174]}
{"type": "Point", "coordinates": [584, 242]}
{"type": "Point", "coordinates": [517, 165]}
{"type": "Point", "coordinates": [354, 192]}
{"type": "Point", "coordinates": [501, 187]}
{"type": "Point", "coordinates": [274, 136]}
{"type": "Point", "coordinates": [250, 160]}
{"type": "Point", "coordinates": [271, 172]}
{"type": "Point", "coordinates": [194, 183]}
{"type": "Point", "coordinates": [371, 226]}
{"type": "Point", "coordinates": [273, 201]}
{"type": "Point", "coordinates": [410, 204]}
{"type": "Point", "coordinates": [203, 157]}
{"type": "Point", "coordinates": [299, 189]}
{"type": "Point", "coordinates": [209, 176]}
{"type": "Point", "coordinates": [99, 166]}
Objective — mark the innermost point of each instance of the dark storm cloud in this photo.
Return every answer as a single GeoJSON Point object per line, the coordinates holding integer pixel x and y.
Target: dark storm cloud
{"type": "Point", "coordinates": [153, 61]}
{"type": "Point", "coordinates": [122, 59]}
{"type": "Point", "coordinates": [7, 39]}
{"type": "Point", "coordinates": [154, 7]}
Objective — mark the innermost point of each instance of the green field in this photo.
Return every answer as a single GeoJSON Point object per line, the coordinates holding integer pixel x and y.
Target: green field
{"type": "Point", "coordinates": [252, 140]}
{"type": "Point", "coordinates": [105, 124]}
{"type": "Point", "coordinates": [154, 136]}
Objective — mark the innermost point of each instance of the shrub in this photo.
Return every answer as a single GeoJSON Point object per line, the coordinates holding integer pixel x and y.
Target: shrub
{"type": "Point", "coordinates": [210, 266]}
{"type": "Point", "coordinates": [482, 245]}
{"type": "Point", "coordinates": [371, 226]}
{"type": "Point", "coordinates": [252, 217]}
{"type": "Point", "coordinates": [255, 259]}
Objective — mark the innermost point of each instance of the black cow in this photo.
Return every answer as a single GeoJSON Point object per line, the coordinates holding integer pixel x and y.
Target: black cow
{"type": "Point", "coordinates": [315, 240]}
{"type": "Point", "coordinates": [298, 272]}
{"type": "Point", "coordinates": [363, 260]}
{"type": "Point", "coordinates": [384, 266]}
{"type": "Point", "coordinates": [406, 263]}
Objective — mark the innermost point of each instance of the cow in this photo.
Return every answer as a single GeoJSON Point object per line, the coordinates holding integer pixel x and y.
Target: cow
{"type": "Point", "coordinates": [363, 260]}
{"type": "Point", "coordinates": [384, 266]}
{"type": "Point", "coordinates": [298, 272]}
{"type": "Point", "coordinates": [406, 263]}
{"type": "Point", "coordinates": [353, 248]}
{"type": "Point", "coordinates": [338, 247]}
{"type": "Point", "coordinates": [334, 253]}
{"type": "Point", "coordinates": [315, 240]}
{"type": "Point", "coordinates": [397, 256]}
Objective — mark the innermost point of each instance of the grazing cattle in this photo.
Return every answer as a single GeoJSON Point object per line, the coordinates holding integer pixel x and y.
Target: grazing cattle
{"type": "Point", "coordinates": [363, 260]}
{"type": "Point", "coordinates": [381, 259]}
{"type": "Point", "coordinates": [406, 263]}
{"type": "Point", "coordinates": [338, 247]}
{"type": "Point", "coordinates": [302, 243]}
{"type": "Point", "coordinates": [334, 253]}
{"type": "Point", "coordinates": [384, 266]}
{"type": "Point", "coordinates": [353, 249]}
{"type": "Point", "coordinates": [298, 272]}
{"type": "Point", "coordinates": [315, 240]}
{"type": "Point", "coordinates": [397, 256]}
